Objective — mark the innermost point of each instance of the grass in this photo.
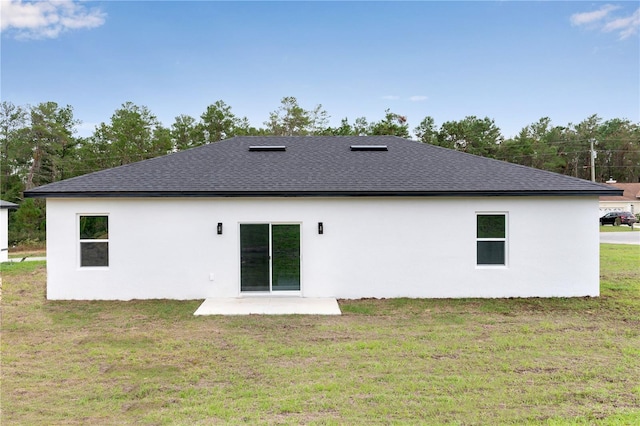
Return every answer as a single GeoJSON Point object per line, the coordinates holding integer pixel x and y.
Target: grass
{"type": "Point", "coordinates": [397, 361]}
{"type": "Point", "coordinates": [621, 228]}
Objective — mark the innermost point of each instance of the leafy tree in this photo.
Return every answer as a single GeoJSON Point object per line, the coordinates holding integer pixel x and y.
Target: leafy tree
{"type": "Point", "coordinates": [28, 223]}
{"type": "Point", "coordinates": [426, 131]}
{"type": "Point", "coordinates": [545, 151]}
{"type": "Point", "coordinates": [392, 124]}
{"type": "Point", "coordinates": [162, 141]}
{"type": "Point", "coordinates": [133, 134]}
{"type": "Point", "coordinates": [360, 127]}
{"type": "Point", "coordinates": [218, 123]}
{"type": "Point", "coordinates": [567, 149]}
{"type": "Point", "coordinates": [575, 146]}
{"type": "Point", "coordinates": [535, 146]}
{"type": "Point", "coordinates": [345, 129]}
{"type": "Point", "coordinates": [52, 143]}
{"type": "Point", "coordinates": [618, 148]}
{"type": "Point", "coordinates": [244, 128]}
{"type": "Point", "coordinates": [290, 119]}
{"type": "Point", "coordinates": [518, 150]}
{"type": "Point", "coordinates": [472, 135]}
{"type": "Point", "coordinates": [14, 150]}
{"type": "Point", "coordinates": [319, 120]}
{"type": "Point", "coordinates": [184, 133]}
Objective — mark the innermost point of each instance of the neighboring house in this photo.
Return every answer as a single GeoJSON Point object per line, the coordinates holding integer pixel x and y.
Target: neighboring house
{"type": "Point", "coordinates": [343, 217]}
{"type": "Point", "coordinates": [629, 201]}
{"type": "Point", "coordinates": [4, 229]}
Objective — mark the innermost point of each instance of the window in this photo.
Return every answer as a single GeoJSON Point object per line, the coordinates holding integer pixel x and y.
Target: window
{"type": "Point", "coordinates": [94, 241]}
{"type": "Point", "coordinates": [491, 239]}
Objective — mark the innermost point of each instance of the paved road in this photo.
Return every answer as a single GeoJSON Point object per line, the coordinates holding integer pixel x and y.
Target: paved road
{"type": "Point", "coordinates": [620, 237]}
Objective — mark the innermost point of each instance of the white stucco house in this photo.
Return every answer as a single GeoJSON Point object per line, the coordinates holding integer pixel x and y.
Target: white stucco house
{"type": "Point", "coordinates": [341, 217]}
{"type": "Point", "coordinates": [5, 206]}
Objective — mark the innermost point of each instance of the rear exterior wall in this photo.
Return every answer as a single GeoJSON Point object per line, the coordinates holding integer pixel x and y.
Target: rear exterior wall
{"type": "Point", "coordinates": [371, 247]}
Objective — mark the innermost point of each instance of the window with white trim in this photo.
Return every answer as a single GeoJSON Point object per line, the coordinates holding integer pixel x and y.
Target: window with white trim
{"type": "Point", "coordinates": [94, 240]}
{"type": "Point", "coordinates": [491, 239]}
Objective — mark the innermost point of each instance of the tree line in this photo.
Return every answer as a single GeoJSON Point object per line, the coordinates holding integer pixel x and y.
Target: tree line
{"type": "Point", "coordinates": [38, 144]}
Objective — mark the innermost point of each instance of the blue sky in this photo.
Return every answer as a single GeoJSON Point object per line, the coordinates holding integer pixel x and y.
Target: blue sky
{"type": "Point", "coordinates": [514, 62]}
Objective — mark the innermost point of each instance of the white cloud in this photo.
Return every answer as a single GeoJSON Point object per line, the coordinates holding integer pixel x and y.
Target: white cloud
{"type": "Point", "coordinates": [391, 97]}
{"type": "Point", "coordinates": [626, 27]}
{"type": "Point", "coordinates": [602, 20]}
{"type": "Point", "coordinates": [417, 98]}
{"type": "Point", "coordinates": [47, 18]}
{"type": "Point", "coordinates": [590, 17]}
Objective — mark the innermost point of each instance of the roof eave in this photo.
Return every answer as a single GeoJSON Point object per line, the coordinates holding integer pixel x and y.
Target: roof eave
{"type": "Point", "coordinates": [254, 194]}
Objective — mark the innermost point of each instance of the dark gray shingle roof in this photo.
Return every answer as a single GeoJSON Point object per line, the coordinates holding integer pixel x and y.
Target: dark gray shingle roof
{"type": "Point", "coordinates": [8, 205]}
{"type": "Point", "coordinates": [315, 166]}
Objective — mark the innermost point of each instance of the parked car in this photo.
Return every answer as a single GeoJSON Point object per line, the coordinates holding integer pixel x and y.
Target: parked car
{"type": "Point", "coordinates": [618, 218]}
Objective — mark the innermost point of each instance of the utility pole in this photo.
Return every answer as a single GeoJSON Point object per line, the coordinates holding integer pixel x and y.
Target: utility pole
{"type": "Point", "coordinates": [593, 161]}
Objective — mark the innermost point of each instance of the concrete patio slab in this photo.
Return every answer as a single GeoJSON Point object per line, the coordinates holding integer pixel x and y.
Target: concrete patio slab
{"type": "Point", "coordinates": [269, 306]}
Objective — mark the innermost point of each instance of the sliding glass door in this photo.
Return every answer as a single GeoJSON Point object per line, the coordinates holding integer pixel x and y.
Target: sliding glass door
{"type": "Point", "coordinates": [269, 257]}
{"type": "Point", "coordinates": [254, 257]}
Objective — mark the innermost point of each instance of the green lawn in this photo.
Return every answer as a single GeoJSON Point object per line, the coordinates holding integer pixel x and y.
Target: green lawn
{"type": "Point", "coordinates": [397, 361]}
{"type": "Point", "coordinates": [621, 228]}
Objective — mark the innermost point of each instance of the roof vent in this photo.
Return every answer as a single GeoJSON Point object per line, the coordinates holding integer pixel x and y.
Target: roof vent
{"type": "Point", "coordinates": [267, 148]}
{"type": "Point", "coordinates": [369, 148]}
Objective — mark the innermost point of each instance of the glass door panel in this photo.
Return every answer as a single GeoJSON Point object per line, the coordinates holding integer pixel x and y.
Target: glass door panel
{"type": "Point", "coordinates": [285, 241]}
{"type": "Point", "coordinates": [254, 257]}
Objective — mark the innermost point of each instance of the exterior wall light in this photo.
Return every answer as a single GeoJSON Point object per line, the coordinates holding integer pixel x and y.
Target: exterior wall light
{"type": "Point", "coordinates": [320, 228]}
{"type": "Point", "coordinates": [219, 228]}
